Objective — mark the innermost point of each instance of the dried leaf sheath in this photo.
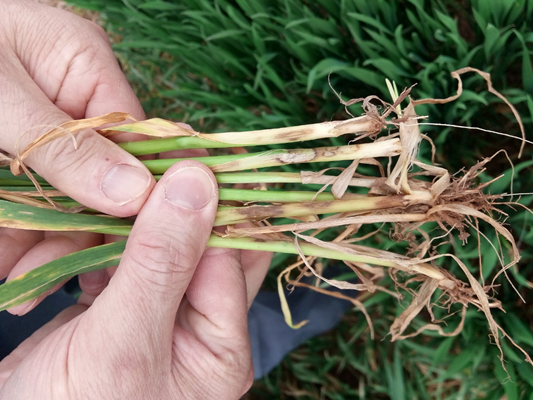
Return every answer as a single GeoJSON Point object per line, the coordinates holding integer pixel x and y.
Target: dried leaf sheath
{"type": "Point", "coordinates": [161, 128]}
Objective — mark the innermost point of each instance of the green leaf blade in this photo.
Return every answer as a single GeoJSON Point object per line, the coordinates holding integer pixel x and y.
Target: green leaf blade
{"type": "Point", "coordinates": [36, 282]}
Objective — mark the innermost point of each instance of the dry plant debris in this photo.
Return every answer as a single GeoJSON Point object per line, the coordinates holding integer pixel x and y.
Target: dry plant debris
{"type": "Point", "coordinates": [407, 193]}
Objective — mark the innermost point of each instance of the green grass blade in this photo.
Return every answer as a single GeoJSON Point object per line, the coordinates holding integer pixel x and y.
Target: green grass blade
{"type": "Point", "coordinates": [21, 216]}
{"type": "Point", "coordinates": [38, 281]}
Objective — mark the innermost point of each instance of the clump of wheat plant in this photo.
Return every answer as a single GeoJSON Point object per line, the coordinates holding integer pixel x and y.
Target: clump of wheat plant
{"type": "Point", "coordinates": [405, 191]}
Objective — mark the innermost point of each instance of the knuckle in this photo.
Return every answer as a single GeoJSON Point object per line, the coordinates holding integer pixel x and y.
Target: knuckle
{"type": "Point", "coordinates": [237, 364]}
{"type": "Point", "coordinates": [98, 30]}
{"type": "Point", "coordinates": [127, 370]}
{"type": "Point", "coordinates": [164, 258]}
{"type": "Point", "coordinates": [96, 43]}
{"type": "Point", "coordinates": [236, 372]}
{"type": "Point", "coordinates": [66, 154]}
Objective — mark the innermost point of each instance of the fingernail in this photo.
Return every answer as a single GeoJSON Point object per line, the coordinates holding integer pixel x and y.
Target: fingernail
{"type": "Point", "coordinates": [23, 308]}
{"type": "Point", "coordinates": [124, 183]}
{"type": "Point", "coordinates": [93, 280]}
{"type": "Point", "coordinates": [184, 125]}
{"type": "Point", "coordinates": [190, 188]}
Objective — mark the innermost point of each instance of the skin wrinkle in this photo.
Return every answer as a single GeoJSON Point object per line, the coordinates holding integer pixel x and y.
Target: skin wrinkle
{"type": "Point", "coordinates": [67, 74]}
{"type": "Point", "coordinates": [68, 354]}
{"type": "Point", "coordinates": [99, 86]}
{"type": "Point", "coordinates": [53, 97]}
{"type": "Point", "coordinates": [151, 242]}
{"type": "Point", "coordinates": [221, 353]}
{"type": "Point", "coordinates": [206, 331]}
{"type": "Point", "coordinates": [23, 37]}
{"type": "Point", "coordinates": [35, 47]}
{"type": "Point", "coordinates": [65, 147]}
{"type": "Point", "coordinates": [88, 59]}
{"type": "Point", "coordinates": [26, 108]}
{"type": "Point", "coordinates": [62, 62]}
{"type": "Point", "coordinates": [188, 373]}
{"type": "Point", "coordinates": [45, 351]}
{"type": "Point", "coordinates": [121, 361]}
{"type": "Point", "coordinates": [59, 98]}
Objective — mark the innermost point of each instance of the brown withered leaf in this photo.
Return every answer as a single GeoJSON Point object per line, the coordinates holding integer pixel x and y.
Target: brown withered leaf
{"type": "Point", "coordinates": [410, 138]}
{"type": "Point", "coordinates": [420, 300]}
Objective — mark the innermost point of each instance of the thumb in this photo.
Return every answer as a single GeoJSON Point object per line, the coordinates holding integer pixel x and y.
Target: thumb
{"type": "Point", "coordinates": [161, 256]}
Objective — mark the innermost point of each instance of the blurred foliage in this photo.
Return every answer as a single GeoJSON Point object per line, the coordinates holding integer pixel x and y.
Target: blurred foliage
{"type": "Point", "coordinates": [240, 65]}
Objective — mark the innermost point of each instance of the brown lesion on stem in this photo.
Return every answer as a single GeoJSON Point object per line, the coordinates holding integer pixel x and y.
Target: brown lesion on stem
{"type": "Point", "coordinates": [297, 156]}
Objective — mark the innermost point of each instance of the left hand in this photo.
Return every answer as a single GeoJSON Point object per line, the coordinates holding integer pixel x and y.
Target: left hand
{"type": "Point", "coordinates": [55, 67]}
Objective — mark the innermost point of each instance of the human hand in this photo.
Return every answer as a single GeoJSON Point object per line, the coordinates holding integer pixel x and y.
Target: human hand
{"type": "Point", "coordinates": [171, 324]}
{"type": "Point", "coordinates": [54, 67]}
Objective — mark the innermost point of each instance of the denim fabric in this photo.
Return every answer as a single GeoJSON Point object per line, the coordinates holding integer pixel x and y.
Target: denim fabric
{"type": "Point", "coordinates": [272, 339]}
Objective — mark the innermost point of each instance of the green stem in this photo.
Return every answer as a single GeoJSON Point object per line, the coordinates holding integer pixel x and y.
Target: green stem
{"type": "Point", "coordinates": [316, 251]}
{"type": "Point", "coordinates": [289, 248]}
{"type": "Point", "coordinates": [13, 182]}
{"type": "Point", "coordinates": [243, 195]}
{"type": "Point", "coordinates": [8, 179]}
{"type": "Point", "coordinates": [271, 158]}
{"type": "Point", "coordinates": [258, 177]}
{"type": "Point", "coordinates": [20, 216]}
{"type": "Point", "coordinates": [254, 177]}
{"type": "Point", "coordinates": [270, 196]}
{"type": "Point", "coordinates": [168, 144]}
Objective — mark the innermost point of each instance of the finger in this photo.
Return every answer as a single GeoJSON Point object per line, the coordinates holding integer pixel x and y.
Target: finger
{"type": "Point", "coordinates": [13, 360]}
{"type": "Point", "coordinates": [216, 304]}
{"type": "Point", "coordinates": [215, 314]}
{"type": "Point", "coordinates": [71, 60]}
{"type": "Point", "coordinates": [255, 265]}
{"type": "Point", "coordinates": [96, 174]}
{"type": "Point", "coordinates": [107, 91]}
{"type": "Point", "coordinates": [162, 252]}
{"type": "Point", "coordinates": [185, 153]}
{"type": "Point", "coordinates": [93, 283]}
{"type": "Point", "coordinates": [54, 246]}
{"type": "Point", "coordinates": [14, 244]}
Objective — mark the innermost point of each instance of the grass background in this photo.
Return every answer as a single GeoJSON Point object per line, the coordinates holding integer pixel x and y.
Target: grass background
{"type": "Point", "coordinates": [240, 65]}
